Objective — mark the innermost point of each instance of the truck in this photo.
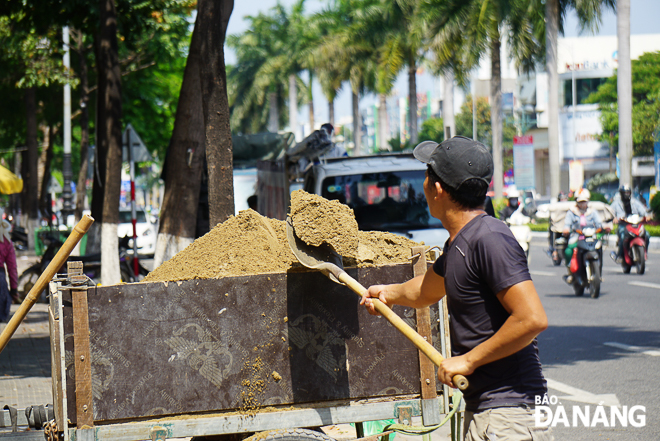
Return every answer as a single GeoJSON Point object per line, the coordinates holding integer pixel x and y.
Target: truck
{"type": "Point", "coordinates": [386, 191]}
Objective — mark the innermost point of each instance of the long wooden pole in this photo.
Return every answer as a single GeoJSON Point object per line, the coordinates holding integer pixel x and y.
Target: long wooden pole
{"type": "Point", "coordinates": [62, 255]}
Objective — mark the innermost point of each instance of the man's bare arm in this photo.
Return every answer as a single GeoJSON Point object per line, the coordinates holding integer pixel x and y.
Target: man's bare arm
{"type": "Point", "coordinates": [527, 320]}
{"type": "Point", "coordinates": [416, 293]}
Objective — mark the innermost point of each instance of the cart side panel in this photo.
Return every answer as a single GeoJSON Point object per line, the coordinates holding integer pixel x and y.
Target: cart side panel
{"type": "Point", "coordinates": [241, 343]}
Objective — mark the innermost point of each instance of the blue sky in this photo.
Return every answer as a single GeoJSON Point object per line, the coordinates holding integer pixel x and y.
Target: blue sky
{"type": "Point", "coordinates": [643, 16]}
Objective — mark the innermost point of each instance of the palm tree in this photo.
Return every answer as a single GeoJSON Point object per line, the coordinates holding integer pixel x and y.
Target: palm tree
{"type": "Point", "coordinates": [589, 14]}
{"type": "Point", "coordinates": [348, 53]}
{"type": "Point", "coordinates": [478, 31]}
{"type": "Point", "coordinates": [255, 89]}
{"type": "Point", "coordinates": [624, 92]}
{"type": "Point", "coordinates": [270, 56]}
{"type": "Point", "coordinates": [442, 25]}
{"type": "Point", "coordinates": [399, 29]}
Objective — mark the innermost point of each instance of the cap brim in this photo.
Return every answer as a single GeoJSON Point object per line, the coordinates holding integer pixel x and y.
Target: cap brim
{"type": "Point", "coordinates": [424, 150]}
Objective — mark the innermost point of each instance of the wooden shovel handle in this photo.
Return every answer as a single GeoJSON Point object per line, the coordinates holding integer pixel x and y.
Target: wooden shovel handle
{"type": "Point", "coordinates": [62, 255]}
{"type": "Point", "coordinates": [459, 380]}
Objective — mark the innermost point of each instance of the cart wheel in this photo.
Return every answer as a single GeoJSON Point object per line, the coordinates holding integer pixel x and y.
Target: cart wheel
{"type": "Point", "coordinates": [290, 435]}
{"type": "Point", "coordinates": [25, 283]}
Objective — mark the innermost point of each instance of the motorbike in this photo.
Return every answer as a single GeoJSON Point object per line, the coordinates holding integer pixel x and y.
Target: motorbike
{"type": "Point", "coordinates": [556, 253]}
{"type": "Point", "coordinates": [586, 263]}
{"type": "Point", "coordinates": [634, 245]}
{"type": "Point", "coordinates": [518, 223]}
{"type": "Point", "coordinates": [91, 267]}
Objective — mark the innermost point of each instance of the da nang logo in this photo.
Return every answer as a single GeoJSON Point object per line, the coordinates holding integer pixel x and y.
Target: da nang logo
{"type": "Point", "coordinates": [586, 415]}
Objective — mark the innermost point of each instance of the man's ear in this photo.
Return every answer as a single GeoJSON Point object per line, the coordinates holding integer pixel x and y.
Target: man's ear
{"type": "Point", "coordinates": [438, 189]}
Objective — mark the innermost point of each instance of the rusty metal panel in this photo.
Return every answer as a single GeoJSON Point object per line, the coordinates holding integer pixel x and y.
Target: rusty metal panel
{"type": "Point", "coordinates": [241, 343]}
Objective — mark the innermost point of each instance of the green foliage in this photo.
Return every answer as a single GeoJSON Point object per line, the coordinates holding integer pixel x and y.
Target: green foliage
{"type": "Point", "coordinates": [498, 205]}
{"type": "Point", "coordinates": [599, 197]}
{"type": "Point", "coordinates": [654, 230]}
{"type": "Point", "coordinates": [541, 227]}
{"type": "Point", "coordinates": [655, 205]}
{"type": "Point", "coordinates": [646, 104]}
{"type": "Point", "coordinates": [397, 145]}
{"type": "Point", "coordinates": [484, 131]}
{"type": "Point", "coordinates": [432, 130]}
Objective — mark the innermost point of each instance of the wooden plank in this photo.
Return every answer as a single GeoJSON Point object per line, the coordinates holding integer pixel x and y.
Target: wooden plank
{"type": "Point", "coordinates": [423, 315]}
{"type": "Point", "coordinates": [56, 371]}
{"type": "Point", "coordinates": [55, 352]}
{"type": "Point", "coordinates": [242, 343]}
{"type": "Point", "coordinates": [83, 360]}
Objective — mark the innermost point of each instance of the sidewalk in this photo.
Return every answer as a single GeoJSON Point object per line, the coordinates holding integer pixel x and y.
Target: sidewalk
{"type": "Point", "coordinates": [25, 362]}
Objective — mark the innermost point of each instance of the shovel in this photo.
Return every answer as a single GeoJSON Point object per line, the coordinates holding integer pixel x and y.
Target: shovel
{"type": "Point", "coordinates": [326, 260]}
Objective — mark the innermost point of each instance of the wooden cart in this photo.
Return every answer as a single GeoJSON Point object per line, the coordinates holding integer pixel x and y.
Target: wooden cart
{"type": "Point", "coordinates": [236, 355]}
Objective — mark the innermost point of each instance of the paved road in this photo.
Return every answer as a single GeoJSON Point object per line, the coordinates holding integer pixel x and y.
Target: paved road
{"type": "Point", "coordinates": [609, 345]}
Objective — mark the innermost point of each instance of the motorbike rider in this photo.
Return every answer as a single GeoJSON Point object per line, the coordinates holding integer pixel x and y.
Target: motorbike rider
{"type": "Point", "coordinates": [512, 205]}
{"type": "Point", "coordinates": [578, 217]}
{"type": "Point", "coordinates": [562, 197]}
{"type": "Point", "coordinates": [625, 206]}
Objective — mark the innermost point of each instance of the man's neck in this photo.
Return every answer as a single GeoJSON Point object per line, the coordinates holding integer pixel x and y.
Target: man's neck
{"type": "Point", "coordinates": [456, 218]}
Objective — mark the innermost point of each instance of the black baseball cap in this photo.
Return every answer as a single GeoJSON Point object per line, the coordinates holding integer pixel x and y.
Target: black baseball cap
{"type": "Point", "coordinates": [457, 160]}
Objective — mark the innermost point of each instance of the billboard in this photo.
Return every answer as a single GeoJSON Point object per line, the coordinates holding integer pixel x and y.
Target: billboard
{"type": "Point", "coordinates": [579, 137]}
{"type": "Point", "coordinates": [523, 162]}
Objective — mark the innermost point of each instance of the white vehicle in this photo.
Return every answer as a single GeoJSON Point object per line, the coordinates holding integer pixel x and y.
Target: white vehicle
{"type": "Point", "coordinates": [146, 231]}
{"type": "Point", "coordinates": [519, 225]}
{"type": "Point", "coordinates": [385, 192]}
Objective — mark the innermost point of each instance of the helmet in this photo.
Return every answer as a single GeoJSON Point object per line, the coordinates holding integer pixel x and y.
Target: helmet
{"type": "Point", "coordinates": [513, 193]}
{"type": "Point", "coordinates": [625, 192]}
{"type": "Point", "coordinates": [583, 195]}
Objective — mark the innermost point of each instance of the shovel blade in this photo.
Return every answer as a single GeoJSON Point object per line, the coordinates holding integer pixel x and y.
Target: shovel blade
{"type": "Point", "coordinates": [311, 256]}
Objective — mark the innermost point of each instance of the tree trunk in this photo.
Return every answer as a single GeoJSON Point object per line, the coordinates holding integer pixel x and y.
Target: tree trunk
{"type": "Point", "coordinates": [30, 205]}
{"type": "Point", "coordinates": [81, 188]}
{"type": "Point", "coordinates": [219, 153]}
{"type": "Point", "coordinates": [45, 202]}
{"type": "Point", "coordinates": [551, 32]}
{"type": "Point", "coordinates": [357, 127]}
{"type": "Point", "coordinates": [109, 113]}
{"type": "Point", "coordinates": [496, 115]}
{"type": "Point", "coordinates": [624, 92]}
{"type": "Point", "coordinates": [41, 163]}
{"type": "Point", "coordinates": [293, 106]}
{"type": "Point", "coordinates": [311, 101]}
{"type": "Point", "coordinates": [448, 104]}
{"type": "Point", "coordinates": [184, 162]}
{"type": "Point", "coordinates": [412, 100]}
{"type": "Point", "coordinates": [383, 145]}
{"type": "Point", "coordinates": [273, 113]}
{"type": "Point", "coordinates": [331, 112]}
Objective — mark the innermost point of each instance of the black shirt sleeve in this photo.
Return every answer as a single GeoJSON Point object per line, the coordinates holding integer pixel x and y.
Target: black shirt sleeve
{"type": "Point", "coordinates": [501, 261]}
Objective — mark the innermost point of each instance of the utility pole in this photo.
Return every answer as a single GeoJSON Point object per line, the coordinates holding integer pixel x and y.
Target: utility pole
{"type": "Point", "coordinates": [66, 190]}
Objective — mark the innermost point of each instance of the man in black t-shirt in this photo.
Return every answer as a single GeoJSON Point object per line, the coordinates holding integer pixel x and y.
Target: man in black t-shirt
{"type": "Point", "coordinates": [495, 310]}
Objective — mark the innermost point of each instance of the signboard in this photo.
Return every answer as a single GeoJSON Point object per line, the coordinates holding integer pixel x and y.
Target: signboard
{"type": "Point", "coordinates": [523, 162]}
{"type": "Point", "coordinates": [575, 175]}
{"type": "Point", "coordinates": [138, 149]}
{"type": "Point", "coordinates": [579, 138]}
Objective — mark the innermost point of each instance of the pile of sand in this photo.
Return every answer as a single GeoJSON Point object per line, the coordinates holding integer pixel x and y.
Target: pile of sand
{"type": "Point", "coordinates": [317, 220]}
{"type": "Point", "coordinates": [253, 244]}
